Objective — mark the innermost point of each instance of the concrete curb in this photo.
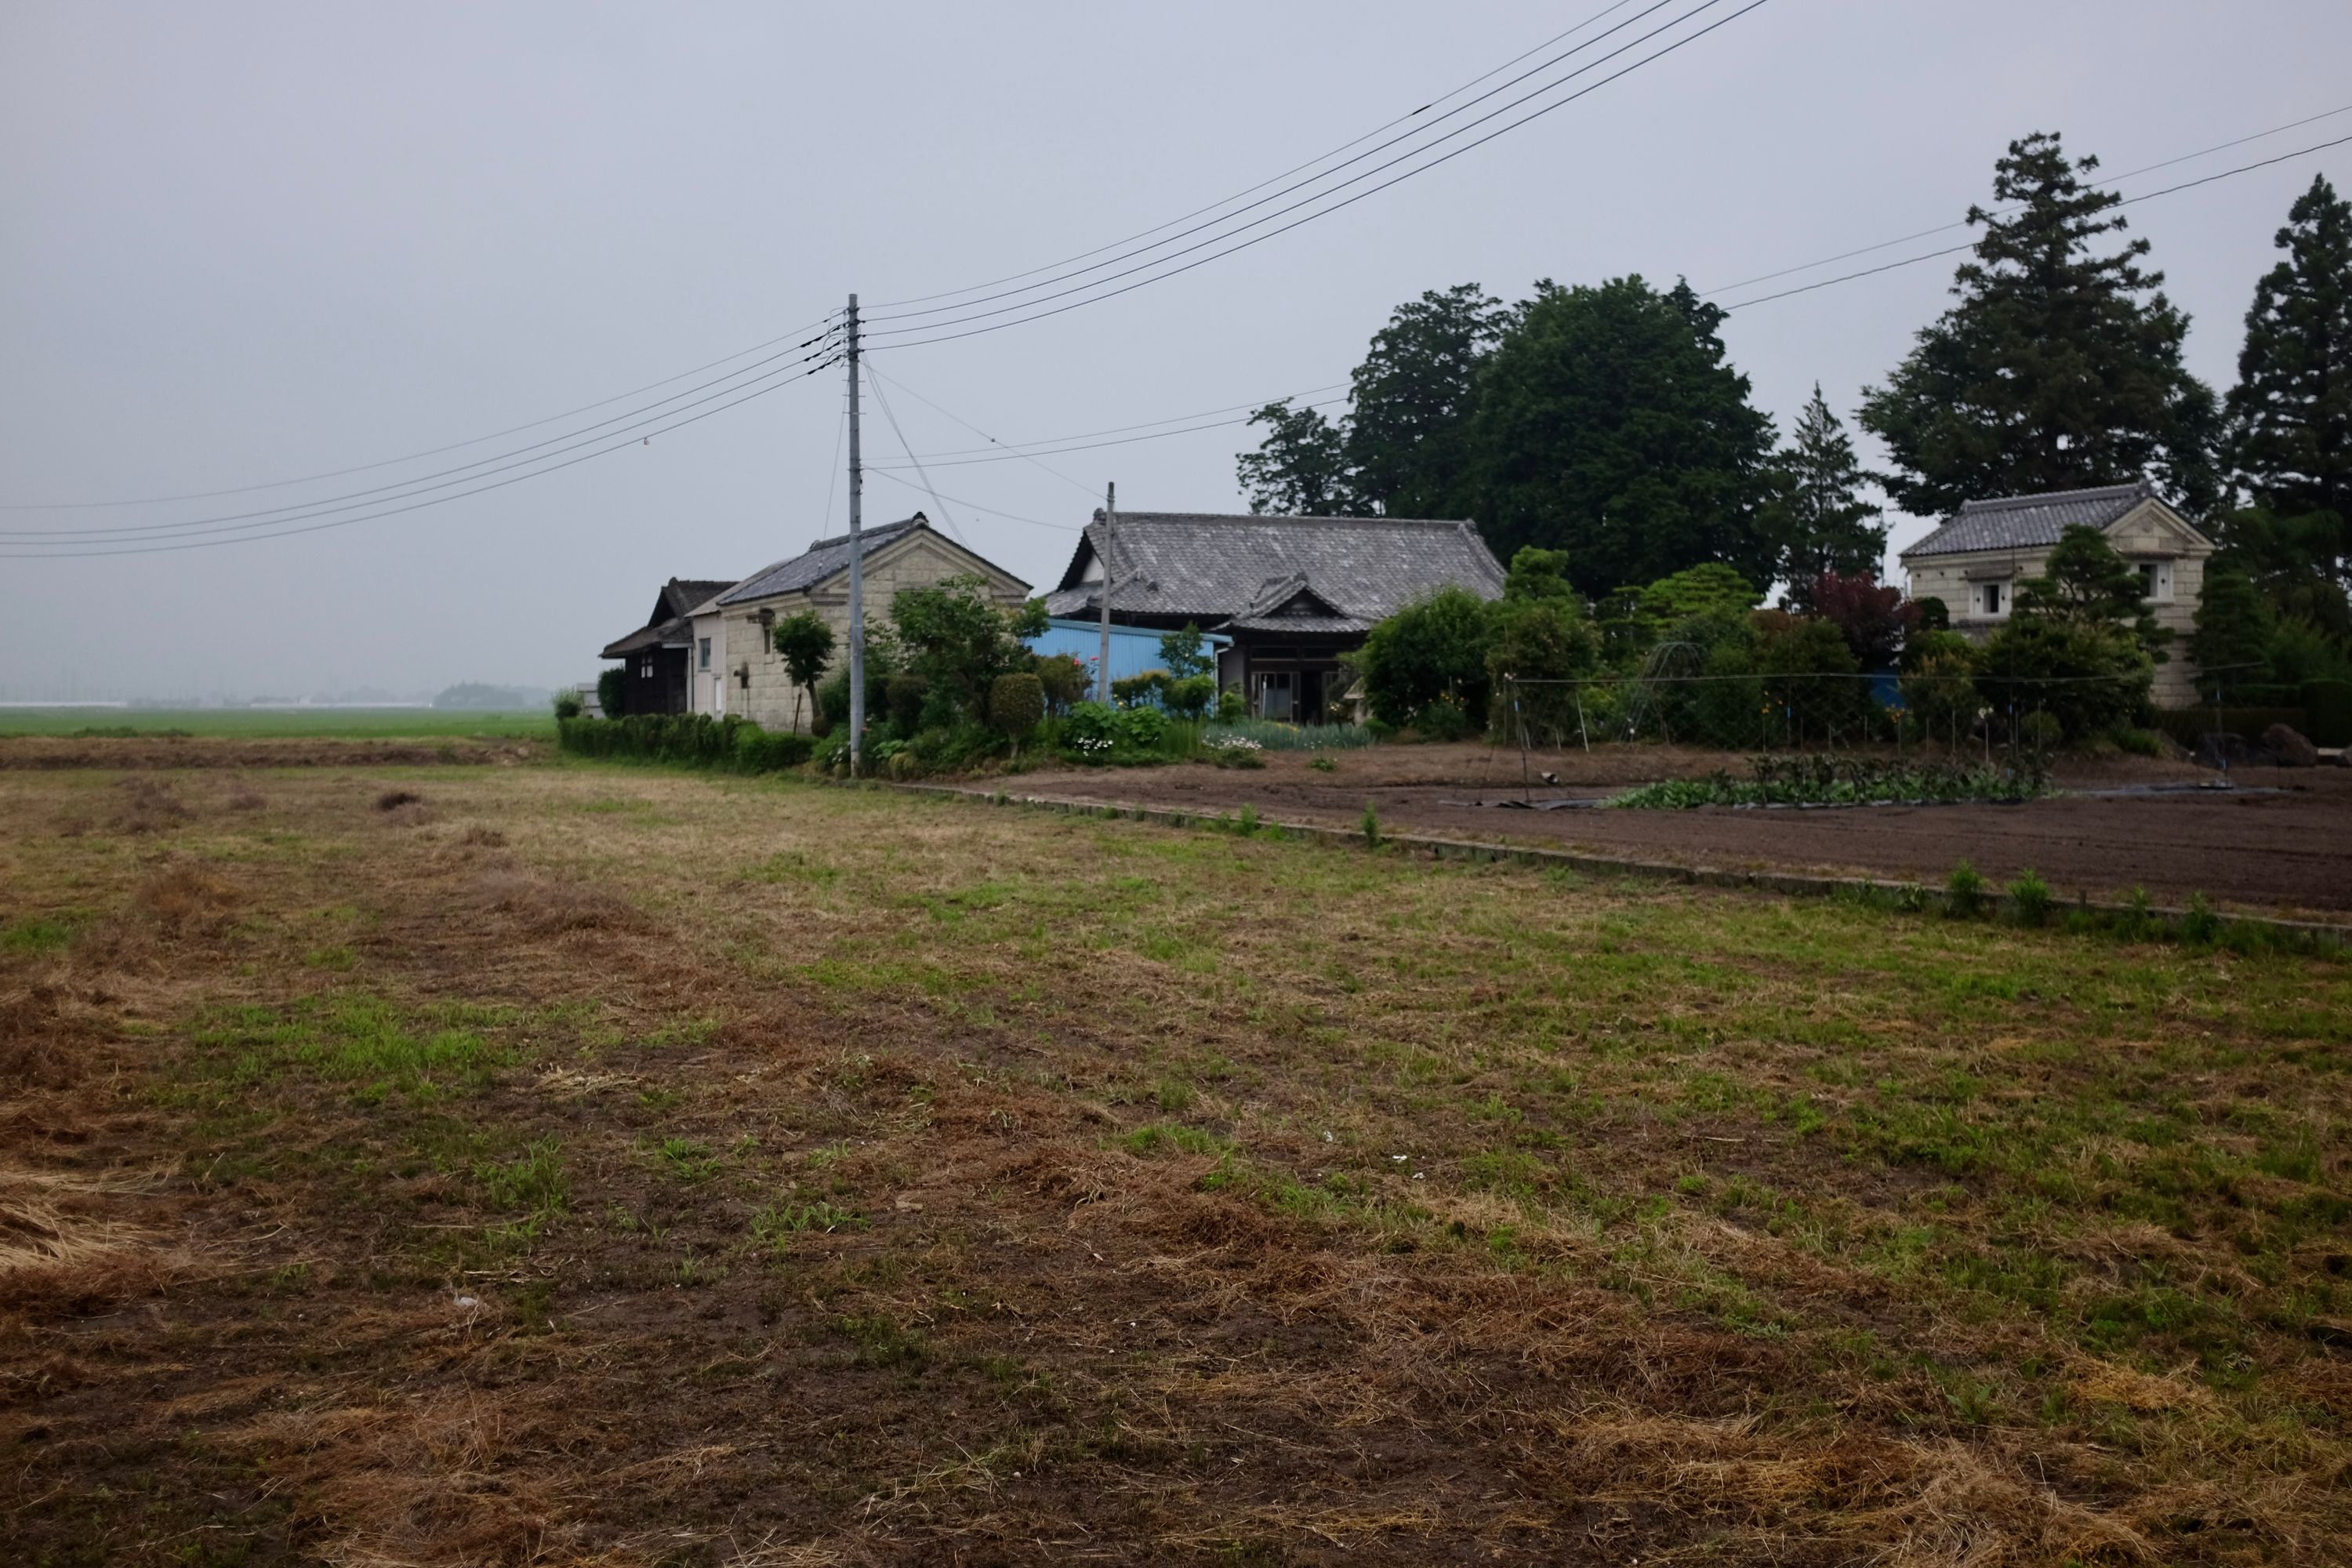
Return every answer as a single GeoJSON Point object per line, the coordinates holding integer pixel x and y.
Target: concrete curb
{"type": "Point", "coordinates": [1791, 884]}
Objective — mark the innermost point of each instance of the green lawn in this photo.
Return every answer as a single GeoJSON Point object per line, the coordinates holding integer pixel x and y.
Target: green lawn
{"type": "Point", "coordinates": [369, 723]}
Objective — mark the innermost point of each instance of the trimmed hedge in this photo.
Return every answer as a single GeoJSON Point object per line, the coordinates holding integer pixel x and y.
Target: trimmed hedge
{"type": "Point", "coordinates": [737, 745]}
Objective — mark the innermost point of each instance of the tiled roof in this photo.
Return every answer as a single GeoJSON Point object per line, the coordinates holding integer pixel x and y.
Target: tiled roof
{"type": "Point", "coordinates": [683, 593]}
{"type": "Point", "coordinates": [2028, 522]}
{"type": "Point", "coordinates": [1213, 568]}
{"type": "Point", "coordinates": [817, 563]}
{"type": "Point", "coordinates": [675, 632]}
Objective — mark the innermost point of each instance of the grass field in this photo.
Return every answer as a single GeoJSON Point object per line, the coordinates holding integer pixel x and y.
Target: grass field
{"type": "Point", "coordinates": [571, 1163]}
{"type": "Point", "coordinates": [260, 723]}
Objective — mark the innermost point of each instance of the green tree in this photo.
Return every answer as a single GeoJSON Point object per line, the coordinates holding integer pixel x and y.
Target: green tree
{"type": "Point", "coordinates": [1540, 637]}
{"type": "Point", "coordinates": [1405, 448]}
{"type": "Point", "coordinates": [1298, 470]}
{"type": "Point", "coordinates": [804, 643]}
{"type": "Point", "coordinates": [1808, 673]}
{"type": "Point", "coordinates": [2059, 367]}
{"type": "Point", "coordinates": [2290, 415]}
{"type": "Point", "coordinates": [1817, 518]}
{"type": "Point", "coordinates": [1712, 590]}
{"type": "Point", "coordinates": [1434, 650]}
{"type": "Point", "coordinates": [1939, 684]}
{"type": "Point", "coordinates": [2235, 624]}
{"type": "Point", "coordinates": [1183, 653]}
{"type": "Point", "coordinates": [958, 640]}
{"type": "Point", "coordinates": [1608, 423]}
{"type": "Point", "coordinates": [2085, 584]}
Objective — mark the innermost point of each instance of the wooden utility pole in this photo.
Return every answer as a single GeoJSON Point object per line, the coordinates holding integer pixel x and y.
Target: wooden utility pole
{"type": "Point", "coordinates": [857, 569]}
{"type": "Point", "coordinates": [1102, 672]}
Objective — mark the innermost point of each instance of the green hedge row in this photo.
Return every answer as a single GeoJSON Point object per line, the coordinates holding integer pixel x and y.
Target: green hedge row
{"type": "Point", "coordinates": [735, 744]}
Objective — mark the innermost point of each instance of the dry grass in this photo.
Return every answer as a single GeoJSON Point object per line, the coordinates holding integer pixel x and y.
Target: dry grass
{"type": "Point", "coordinates": [888, 1181]}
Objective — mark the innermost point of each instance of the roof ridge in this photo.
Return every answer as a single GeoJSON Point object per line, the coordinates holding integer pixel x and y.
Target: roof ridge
{"type": "Point", "coordinates": [817, 544]}
{"type": "Point", "coordinates": [2051, 498]}
{"type": "Point", "coordinates": [1127, 516]}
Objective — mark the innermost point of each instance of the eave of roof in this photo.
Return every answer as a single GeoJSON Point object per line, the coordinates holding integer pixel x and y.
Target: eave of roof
{"type": "Point", "coordinates": [2030, 521]}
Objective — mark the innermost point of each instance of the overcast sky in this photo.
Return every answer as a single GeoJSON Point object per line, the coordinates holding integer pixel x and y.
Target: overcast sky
{"type": "Point", "coordinates": [246, 243]}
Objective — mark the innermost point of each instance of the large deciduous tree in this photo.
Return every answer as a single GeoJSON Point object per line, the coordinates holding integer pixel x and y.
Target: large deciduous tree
{"type": "Point", "coordinates": [2058, 366]}
{"type": "Point", "coordinates": [1405, 445]}
{"type": "Point", "coordinates": [2290, 415]}
{"type": "Point", "coordinates": [1818, 518]}
{"type": "Point", "coordinates": [1608, 423]}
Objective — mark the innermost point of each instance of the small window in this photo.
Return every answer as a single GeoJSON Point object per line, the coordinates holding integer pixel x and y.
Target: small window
{"type": "Point", "coordinates": [2155, 580]}
{"type": "Point", "coordinates": [702, 654]}
{"type": "Point", "coordinates": [1992, 598]}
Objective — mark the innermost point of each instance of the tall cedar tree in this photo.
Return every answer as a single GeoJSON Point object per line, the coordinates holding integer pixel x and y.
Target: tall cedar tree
{"type": "Point", "coordinates": [1609, 425]}
{"type": "Point", "coordinates": [1405, 446]}
{"type": "Point", "coordinates": [1298, 470]}
{"type": "Point", "coordinates": [2059, 368]}
{"type": "Point", "coordinates": [2290, 415]}
{"type": "Point", "coordinates": [1818, 517]}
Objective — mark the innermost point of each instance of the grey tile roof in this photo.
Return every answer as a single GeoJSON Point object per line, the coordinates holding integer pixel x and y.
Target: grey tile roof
{"type": "Point", "coordinates": [668, 625]}
{"type": "Point", "coordinates": [2028, 522]}
{"type": "Point", "coordinates": [817, 563]}
{"type": "Point", "coordinates": [683, 593]}
{"type": "Point", "coordinates": [1212, 568]}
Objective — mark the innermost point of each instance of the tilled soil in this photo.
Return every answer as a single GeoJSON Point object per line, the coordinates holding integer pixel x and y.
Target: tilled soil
{"type": "Point", "coordinates": [2280, 840]}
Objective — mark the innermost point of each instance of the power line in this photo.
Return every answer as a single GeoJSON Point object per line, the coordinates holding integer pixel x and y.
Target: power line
{"type": "Point", "coordinates": [1326, 212]}
{"type": "Point", "coordinates": [1948, 227]}
{"type": "Point", "coordinates": [882, 398]}
{"type": "Point", "coordinates": [1014, 448]}
{"type": "Point", "coordinates": [976, 430]}
{"type": "Point", "coordinates": [1972, 245]}
{"type": "Point", "coordinates": [1295, 168]}
{"type": "Point", "coordinates": [136, 548]}
{"type": "Point", "coordinates": [1655, 6]}
{"type": "Point", "coordinates": [1010, 455]}
{"type": "Point", "coordinates": [975, 506]}
{"type": "Point", "coordinates": [428, 452]}
{"type": "Point", "coordinates": [321, 506]}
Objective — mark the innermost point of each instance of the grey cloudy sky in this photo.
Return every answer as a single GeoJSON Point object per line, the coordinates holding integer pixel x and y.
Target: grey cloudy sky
{"type": "Point", "coordinates": [240, 243]}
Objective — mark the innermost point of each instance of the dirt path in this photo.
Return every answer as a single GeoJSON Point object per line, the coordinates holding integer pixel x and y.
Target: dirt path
{"type": "Point", "coordinates": [2282, 842]}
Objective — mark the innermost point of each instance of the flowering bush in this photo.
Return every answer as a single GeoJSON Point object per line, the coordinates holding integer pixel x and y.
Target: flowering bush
{"type": "Point", "coordinates": [1101, 732]}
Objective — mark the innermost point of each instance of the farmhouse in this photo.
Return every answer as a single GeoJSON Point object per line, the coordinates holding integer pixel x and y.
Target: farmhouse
{"type": "Point", "coordinates": [897, 555]}
{"type": "Point", "coordinates": [656, 656]}
{"type": "Point", "coordinates": [1975, 561]}
{"type": "Point", "coordinates": [1292, 594]}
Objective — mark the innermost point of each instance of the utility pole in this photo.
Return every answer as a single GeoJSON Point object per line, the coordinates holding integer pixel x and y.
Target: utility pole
{"type": "Point", "coordinates": [1102, 671]}
{"type": "Point", "coordinates": [857, 569]}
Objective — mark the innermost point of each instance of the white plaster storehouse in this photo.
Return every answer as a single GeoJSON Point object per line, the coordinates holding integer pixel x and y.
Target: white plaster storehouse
{"type": "Point", "coordinates": [1975, 561]}
{"type": "Point", "coordinates": [898, 555]}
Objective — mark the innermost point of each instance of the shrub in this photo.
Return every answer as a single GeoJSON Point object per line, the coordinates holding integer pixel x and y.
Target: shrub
{"type": "Point", "coordinates": [1132, 690]}
{"type": "Point", "coordinates": [1189, 696]}
{"type": "Point", "coordinates": [2030, 895]}
{"type": "Point", "coordinates": [1433, 648]}
{"type": "Point", "coordinates": [1808, 679]}
{"type": "Point", "coordinates": [2040, 732]}
{"type": "Point", "coordinates": [697, 739]}
{"type": "Point", "coordinates": [1232, 707]}
{"type": "Point", "coordinates": [905, 695]}
{"type": "Point", "coordinates": [2087, 677]}
{"type": "Point", "coordinates": [567, 705]}
{"type": "Point", "coordinates": [1963, 891]}
{"type": "Point", "coordinates": [2137, 741]}
{"type": "Point", "coordinates": [1939, 684]}
{"type": "Point", "coordinates": [612, 692]}
{"type": "Point", "coordinates": [1064, 679]}
{"type": "Point", "coordinates": [1442, 719]}
{"type": "Point", "coordinates": [1370, 826]}
{"type": "Point", "coordinates": [1016, 705]}
{"type": "Point", "coordinates": [804, 643]}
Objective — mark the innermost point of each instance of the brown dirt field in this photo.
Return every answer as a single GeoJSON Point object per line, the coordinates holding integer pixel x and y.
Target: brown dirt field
{"type": "Point", "coordinates": [166, 751]}
{"type": "Point", "coordinates": [2283, 843]}
{"type": "Point", "coordinates": [582, 1165]}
